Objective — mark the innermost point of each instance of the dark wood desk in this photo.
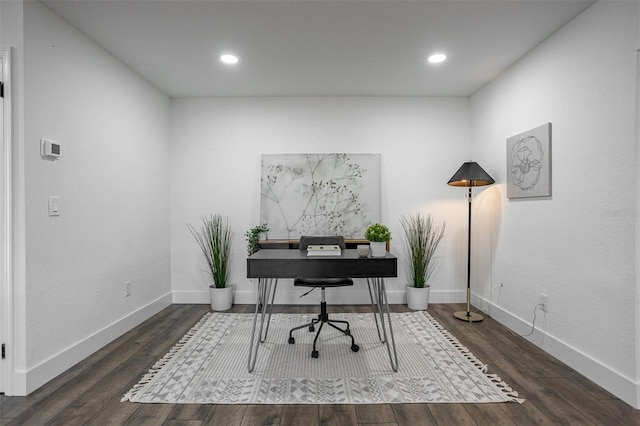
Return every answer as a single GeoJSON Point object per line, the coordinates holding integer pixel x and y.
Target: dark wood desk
{"type": "Point", "coordinates": [268, 265]}
{"type": "Point", "coordinates": [284, 263]}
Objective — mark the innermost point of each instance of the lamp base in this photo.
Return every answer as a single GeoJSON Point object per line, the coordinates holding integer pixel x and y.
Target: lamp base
{"type": "Point", "coordinates": [468, 316]}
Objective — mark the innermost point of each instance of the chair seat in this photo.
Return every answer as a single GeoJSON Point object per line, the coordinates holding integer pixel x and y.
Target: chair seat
{"type": "Point", "coordinates": [322, 282]}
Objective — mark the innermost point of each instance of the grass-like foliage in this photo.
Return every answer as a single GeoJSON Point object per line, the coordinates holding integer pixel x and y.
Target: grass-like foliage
{"type": "Point", "coordinates": [214, 238]}
{"type": "Point", "coordinates": [422, 239]}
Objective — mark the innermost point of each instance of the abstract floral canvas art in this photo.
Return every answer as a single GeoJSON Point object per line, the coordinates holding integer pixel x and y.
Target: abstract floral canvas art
{"type": "Point", "coordinates": [319, 194]}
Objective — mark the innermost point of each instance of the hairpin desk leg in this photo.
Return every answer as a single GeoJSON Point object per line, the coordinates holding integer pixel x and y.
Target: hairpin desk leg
{"type": "Point", "coordinates": [380, 304]}
{"type": "Point", "coordinates": [266, 288]}
{"type": "Point", "coordinates": [375, 313]}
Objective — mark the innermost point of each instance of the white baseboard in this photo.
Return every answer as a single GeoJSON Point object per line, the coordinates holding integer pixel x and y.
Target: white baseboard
{"type": "Point", "coordinates": [623, 387]}
{"type": "Point", "coordinates": [57, 364]}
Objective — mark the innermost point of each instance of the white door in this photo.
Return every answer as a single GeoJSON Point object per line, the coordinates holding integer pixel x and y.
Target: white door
{"type": "Point", "coordinates": [2, 220]}
{"type": "Point", "coordinates": [5, 200]}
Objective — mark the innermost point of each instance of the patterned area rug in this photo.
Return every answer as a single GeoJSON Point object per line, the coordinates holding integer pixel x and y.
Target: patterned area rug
{"type": "Point", "coordinates": [209, 365]}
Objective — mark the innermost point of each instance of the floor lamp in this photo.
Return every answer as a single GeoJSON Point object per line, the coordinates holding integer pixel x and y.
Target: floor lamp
{"type": "Point", "coordinates": [470, 174]}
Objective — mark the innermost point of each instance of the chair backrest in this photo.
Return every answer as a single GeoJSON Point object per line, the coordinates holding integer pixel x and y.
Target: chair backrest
{"type": "Point", "coordinates": [306, 241]}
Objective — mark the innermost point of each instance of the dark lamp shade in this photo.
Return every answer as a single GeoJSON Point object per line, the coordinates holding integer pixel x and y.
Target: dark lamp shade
{"type": "Point", "coordinates": [470, 174]}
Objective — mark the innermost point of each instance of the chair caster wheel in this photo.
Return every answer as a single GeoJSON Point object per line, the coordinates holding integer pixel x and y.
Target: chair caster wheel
{"type": "Point", "coordinates": [314, 354]}
{"type": "Point", "coordinates": [291, 340]}
{"type": "Point", "coordinates": [355, 347]}
{"type": "Point", "coordinates": [312, 328]}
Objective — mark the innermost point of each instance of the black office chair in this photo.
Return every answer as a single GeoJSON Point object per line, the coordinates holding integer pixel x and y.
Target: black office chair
{"type": "Point", "coordinates": [323, 283]}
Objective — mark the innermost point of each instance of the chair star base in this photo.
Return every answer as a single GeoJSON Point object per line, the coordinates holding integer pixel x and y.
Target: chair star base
{"type": "Point", "coordinates": [323, 318]}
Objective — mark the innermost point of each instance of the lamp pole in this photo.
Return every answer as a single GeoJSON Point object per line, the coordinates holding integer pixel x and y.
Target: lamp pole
{"type": "Point", "coordinates": [468, 315]}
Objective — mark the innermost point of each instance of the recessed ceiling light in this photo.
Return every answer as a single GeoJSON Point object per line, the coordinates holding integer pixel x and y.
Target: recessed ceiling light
{"type": "Point", "coordinates": [437, 58]}
{"type": "Point", "coordinates": [229, 59]}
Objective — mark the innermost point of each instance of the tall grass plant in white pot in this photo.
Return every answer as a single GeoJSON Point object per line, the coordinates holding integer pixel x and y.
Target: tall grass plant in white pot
{"type": "Point", "coordinates": [422, 239]}
{"type": "Point", "coordinates": [215, 238]}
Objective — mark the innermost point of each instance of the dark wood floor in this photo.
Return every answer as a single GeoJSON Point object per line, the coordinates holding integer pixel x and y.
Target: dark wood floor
{"type": "Point", "coordinates": [90, 392]}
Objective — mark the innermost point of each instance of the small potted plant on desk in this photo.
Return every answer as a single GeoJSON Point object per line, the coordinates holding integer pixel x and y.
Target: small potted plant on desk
{"type": "Point", "coordinates": [215, 238]}
{"type": "Point", "coordinates": [378, 236]}
{"type": "Point", "coordinates": [253, 238]}
{"type": "Point", "coordinates": [422, 240]}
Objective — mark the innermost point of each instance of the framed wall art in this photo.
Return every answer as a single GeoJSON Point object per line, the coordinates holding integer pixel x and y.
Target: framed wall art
{"type": "Point", "coordinates": [529, 163]}
{"type": "Point", "coordinates": [319, 194]}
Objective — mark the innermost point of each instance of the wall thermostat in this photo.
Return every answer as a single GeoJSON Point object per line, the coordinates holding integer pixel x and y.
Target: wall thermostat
{"type": "Point", "coordinates": [49, 149]}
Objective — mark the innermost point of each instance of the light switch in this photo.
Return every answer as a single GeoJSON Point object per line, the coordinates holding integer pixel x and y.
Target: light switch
{"type": "Point", "coordinates": [54, 206]}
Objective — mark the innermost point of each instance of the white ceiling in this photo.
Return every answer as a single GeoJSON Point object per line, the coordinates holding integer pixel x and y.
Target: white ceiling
{"type": "Point", "coordinates": [318, 47]}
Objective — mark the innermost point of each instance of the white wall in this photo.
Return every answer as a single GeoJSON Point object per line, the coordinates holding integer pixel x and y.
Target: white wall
{"type": "Point", "coordinates": [216, 146]}
{"type": "Point", "coordinates": [578, 246]}
{"type": "Point", "coordinates": [112, 181]}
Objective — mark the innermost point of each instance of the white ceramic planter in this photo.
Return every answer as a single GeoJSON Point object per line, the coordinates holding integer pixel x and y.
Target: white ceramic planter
{"type": "Point", "coordinates": [221, 298]}
{"type": "Point", "coordinates": [378, 248]}
{"type": "Point", "coordinates": [418, 298]}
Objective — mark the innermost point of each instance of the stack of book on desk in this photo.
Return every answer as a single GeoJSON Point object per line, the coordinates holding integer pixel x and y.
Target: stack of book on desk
{"type": "Point", "coordinates": [323, 250]}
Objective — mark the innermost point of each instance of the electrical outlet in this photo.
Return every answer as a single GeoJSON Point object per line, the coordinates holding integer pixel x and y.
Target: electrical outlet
{"type": "Point", "coordinates": [128, 288]}
{"type": "Point", "coordinates": [544, 302]}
